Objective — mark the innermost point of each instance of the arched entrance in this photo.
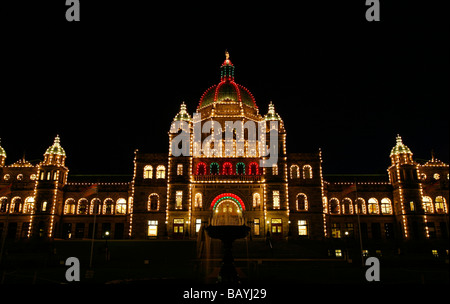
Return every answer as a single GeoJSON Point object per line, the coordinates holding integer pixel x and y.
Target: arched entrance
{"type": "Point", "coordinates": [227, 209]}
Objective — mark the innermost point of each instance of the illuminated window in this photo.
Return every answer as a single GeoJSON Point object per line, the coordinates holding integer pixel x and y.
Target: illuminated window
{"type": "Point", "coordinates": [227, 168]}
{"type": "Point", "coordinates": [152, 228]}
{"type": "Point", "coordinates": [83, 206]}
{"type": "Point", "coordinates": [436, 176]}
{"type": "Point", "coordinates": [179, 200]}
{"type": "Point", "coordinates": [307, 172]}
{"type": "Point", "coordinates": [44, 206]}
{"type": "Point", "coordinates": [178, 225]}
{"type": "Point", "coordinates": [121, 206]}
{"type": "Point", "coordinates": [334, 206]}
{"type": "Point", "coordinates": [295, 171]}
{"type": "Point", "coordinates": [302, 228]}
{"type": "Point", "coordinates": [435, 253]}
{"type": "Point", "coordinates": [179, 169]}
{"type": "Point", "coordinates": [253, 168]}
{"type": "Point", "coordinates": [160, 172]}
{"type": "Point", "coordinates": [201, 169]}
{"type": "Point", "coordinates": [96, 206]}
{"type": "Point", "coordinates": [276, 199]}
{"type": "Point", "coordinates": [373, 206]}
{"type": "Point", "coordinates": [256, 226]}
{"type": "Point", "coordinates": [3, 204]}
{"type": "Point", "coordinates": [153, 202]}
{"type": "Point", "coordinates": [108, 206]}
{"type": "Point", "coordinates": [347, 207]}
{"type": "Point", "coordinates": [256, 200]}
{"type": "Point", "coordinates": [198, 200]}
{"type": "Point", "coordinates": [302, 202]}
{"type": "Point", "coordinates": [360, 206]}
{"type": "Point", "coordinates": [214, 168]}
{"type": "Point", "coordinates": [427, 204]}
{"type": "Point", "coordinates": [198, 224]}
{"type": "Point", "coordinates": [336, 230]}
{"type": "Point", "coordinates": [412, 206]}
{"type": "Point", "coordinates": [386, 206]}
{"type": "Point", "coordinates": [70, 206]}
{"type": "Point", "coordinates": [338, 253]}
{"type": "Point", "coordinates": [274, 169]}
{"type": "Point", "coordinates": [277, 226]}
{"type": "Point", "coordinates": [440, 205]}
{"type": "Point", "coordinates": [29, 203]}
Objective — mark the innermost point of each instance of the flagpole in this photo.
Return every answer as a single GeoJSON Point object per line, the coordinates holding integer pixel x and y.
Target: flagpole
{"type": "Point", "coordinates": [93, 229]}
{"type": "Point", "coordinates": [359, 225]}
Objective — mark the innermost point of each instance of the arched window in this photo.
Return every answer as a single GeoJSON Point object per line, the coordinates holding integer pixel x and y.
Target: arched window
{"type": "Point", "coordinates": [386, 206]}
{"type": "Point", "coordinates": [201, 169]}
{"type": "Point", "coordinates": [214, 168]}
{"type": "Point", "coordinates": [108, 206]}
{"type": "Point", "coordinates": [307, 172]}
{"type": "Point", "coordinates": [302, 202]}
{"type": "Point", "coordinates": [295, 172]}
{"type": "Point", "coordinates": [240, 168]}
{"type": "Point", "coordinates": [96, 206]}
{"type": "Point", "coordinates": [121, 206]}
{"type": "Point", "coordinates": [253, 168]}
{"type": "Point", "coordinates": [360, 206]}
{"type": "Point", "coordinates": [347, 206]}
{"type": "Point", "coordinates": [427, 204]}
{"type": "Point", "coordinates": [373, 206]}
{"type": "Point", "coordinates": [153, 202]}
{"type": "Point", "coordinates": [334, 206]}
{"type": "Point", "coordinates": [161, 172]}
{"type": "Point", "coordinates": [256, 200]}
{"type": "Point", "coordinates": [29, 204]}
{"type": "Point", "coordinates": [227, 168]}
{"type": "Point", "coordinates": [440, 205]}
{"type": "Point", "coordinates": [3, 204]}
{"type": "Point", "coordinates": [148, 172]}
{"type": "Point", "coordinates": [83, 206]}
{"type": "Point", "coordinates": [70, 206]}
{"type": "Point", "coordinates": [198, 200]}
{"type": "Point", "coordinates": [16, 204]}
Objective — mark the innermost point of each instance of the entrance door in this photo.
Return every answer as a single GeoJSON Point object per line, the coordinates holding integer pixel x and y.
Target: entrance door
{"type": "Point", "coordinates": [178, 228]}
{"type": "Point", "coordinates": [227, 213]}
{"type": "Point", "coordinates": [277, 228]}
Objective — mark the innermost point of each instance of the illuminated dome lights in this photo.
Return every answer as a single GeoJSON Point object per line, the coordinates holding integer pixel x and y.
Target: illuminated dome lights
{"type": "Point", "coordinates": [183, 115]}
{"type": "Point", "coordinates": [56, 148]}
{"type": "Point", "coordinates": [2, 151]}
{"type": "Point", "coordinates": [400, 147]}
{"type": "Point", "coordinates": [227, 90]}
{"type": "Point", "coordinates": [272, 115]}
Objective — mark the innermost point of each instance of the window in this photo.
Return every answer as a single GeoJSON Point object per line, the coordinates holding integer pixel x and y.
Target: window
{"type": "Point", "coordinates": [153, 202]}
{"type": "Point", "coordinates": [44, 206]}
{"type": "Point", "coordinates": [336, 231]}
{"type": "Point", "coordinates": [360, 206]}
{"type": "Point", "coordinates": [3, 204]}
{"type": "Point", "coordinates": [198, 224]}
{"type": "Point", "coordinates": [435, 253]}
{"type": "Point", "coordinates": [302, 228]}
{"type": "Point", "coordinates": [214, 168]}
{"type": "Point", "coordinates": [198, 200]}
{"type": "Point", "coordinates": [256, 200]}
{"type": "Point", "coordinates": [29, 204]}
{"type": "Point", "coordinates": [152, 228]}
{"type": "Point", "coordinates": [307, 172]}
{"type": "Point", "coordinates": [412, 206]}
{"type": "Point", "coordinates": [96, 206]}
{"type": "Point", "coordinates": [347, 207]}
{"type": "Point", "coordinates": [277, 226]}
{"type": "Point", "coordinates": [427, 204]}
{"type": "Point", "coordinates": [108, 206]}
{"type": "Point", "coordinates": [227, 168]}
{"type": "Point", "coordinates": [70, 206]}
{"type": "Point", "coordinates": [121, 206]}
{"type": "Point", "coordinates": [436, 176]}
{"type": "Point", "coordinates": [253, 168]}
{"type": "Point", "coordinates": [16, 205]}
{"type": "Point", "coordinates": [83, 206]}
{"type": "Point", "coordinates": [295, 171]}
{"type": "Point", "coordinates": [148, 172]}
{"type": "Point", "coordinates": [178, 225]}
{"type": "Point", "coordinates": [386, 207]}
{"type": "Point", "coordinates": [179, 169]}
{"type": "Point", "coordinates": [160, 172]}
{"type": "Point", "coordinates": [338, 253]}
{"type": "Point", "coordinates": [201, 169]}
{"type": "Point", "coordinates": [274, 169]}
{"type": "Point", "coordinates": [256, 226]}
{"type": "Point", "coordinates": [373, 206]}
{"type": "Point", "coordinates": [179, 200]}
{"type": "Point", "coordinates": [440, 204]}
{"type": "Point", "coordinates": [240, 168]}
{"type": "Point", "coordinates": [302, 202]}
{"type": "Point", "coordinates": [334, 206]}
{"type": "Point", "coordinates": [276, 199]}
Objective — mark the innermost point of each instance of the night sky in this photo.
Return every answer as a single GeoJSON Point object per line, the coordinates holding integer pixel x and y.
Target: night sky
{"type": "Point", "coordinates": [113, 82]}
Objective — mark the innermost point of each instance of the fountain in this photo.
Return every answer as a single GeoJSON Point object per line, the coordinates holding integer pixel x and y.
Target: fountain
{"type": "Point", "coordinates": [228, 234]}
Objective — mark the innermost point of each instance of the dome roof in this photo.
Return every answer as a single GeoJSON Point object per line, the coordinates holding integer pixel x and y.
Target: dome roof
{"type": "Point", "coordinates": [400, 147]}
{"type": "Point", "coordinates": [272, 115]}
{"type": "Point", "coordinates": [183, 115]}
{"type": "Point", "coordinates": [227, 89]}
{"type": "Point", "coordinates": [2, 151]}
{"type": "Point", "coordinates": [56, 148]}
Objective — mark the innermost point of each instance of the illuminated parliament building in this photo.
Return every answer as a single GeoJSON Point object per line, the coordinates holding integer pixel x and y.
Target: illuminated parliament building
{"type": "Point", "coordinates": [171, 197]}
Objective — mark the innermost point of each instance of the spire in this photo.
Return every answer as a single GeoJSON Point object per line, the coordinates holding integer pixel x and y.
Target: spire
{"type": "Point", "coordinates": [183, 114]}
{"type": "Point", "coordinates": [271, 114]}
{"type": "Point", "coordinates": [56, 147]}
{"type": "Point", "coordinates": [400, 147]}
{"type": "Point", "coordinates": [227, 69]}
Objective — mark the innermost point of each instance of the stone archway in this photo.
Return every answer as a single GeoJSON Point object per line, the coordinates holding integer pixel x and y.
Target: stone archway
{"type": "Point", "coordinates": [227, 210]}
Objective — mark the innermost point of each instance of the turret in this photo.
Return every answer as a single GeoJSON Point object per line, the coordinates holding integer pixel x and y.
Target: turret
{"type": "Point", "coordinates": [2, 155]}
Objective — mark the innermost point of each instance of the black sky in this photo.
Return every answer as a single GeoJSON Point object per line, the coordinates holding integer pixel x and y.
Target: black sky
{"type": "Point", "coordinates": [113, 82]}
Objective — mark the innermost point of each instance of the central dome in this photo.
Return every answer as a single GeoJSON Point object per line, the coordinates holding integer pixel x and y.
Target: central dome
{"type": "Point", "coordinates": [227, 89]}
